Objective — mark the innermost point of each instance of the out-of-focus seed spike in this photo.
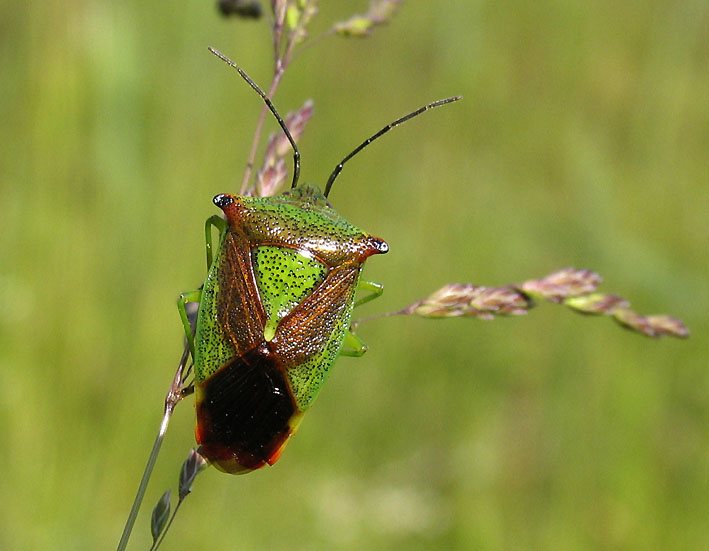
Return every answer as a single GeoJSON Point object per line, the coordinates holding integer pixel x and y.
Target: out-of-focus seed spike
{"type": "Point", "coordinates": [501, 300]}
{"type": "Point", "coordinates": [567, 282]}
{"type": "Point", "coordinates": [464, 299]}
{"type": "Point", "coordinates": [632, 320]}
{"type": "Point", "coordinates": [572, 287]}
{"type": "Point", "coordinates": [161, 513]}
{"type": "Point", "coordinates": [380, 12]}
{"type": "Point", "coordinates": [193, 465]}
{"type": "Point", "coordinates": [273, 172]}
{"type": "Point", "coordinates": [668, 325]}
{"type": "Point", "coordinates": [246, 9]}
{"type": "Point", "coordinates": [596, 303]}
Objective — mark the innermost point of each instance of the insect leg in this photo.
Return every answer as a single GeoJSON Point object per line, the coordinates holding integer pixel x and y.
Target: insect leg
{"type": "Point", "coordinates": [353, 346]}
{"type": "Point", "coordinates": [219, 223]}
{"type": "Point", "coordinates": [375, 290]}
{"type": "Point", "coordinates": [184, 298]}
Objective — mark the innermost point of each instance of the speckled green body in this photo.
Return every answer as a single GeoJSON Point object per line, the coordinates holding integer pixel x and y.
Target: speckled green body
{"type": "Point", "coordinates": [274, 311]}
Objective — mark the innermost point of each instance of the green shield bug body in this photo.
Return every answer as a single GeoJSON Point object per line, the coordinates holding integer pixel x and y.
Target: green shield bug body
{"type": "Point", "coordinates": [274, 312]}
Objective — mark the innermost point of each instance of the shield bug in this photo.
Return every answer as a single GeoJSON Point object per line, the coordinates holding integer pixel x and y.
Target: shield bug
{"type": "Point", "coordinates": [274, 312]}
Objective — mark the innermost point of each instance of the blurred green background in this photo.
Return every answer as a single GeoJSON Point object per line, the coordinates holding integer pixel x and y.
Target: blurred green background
{"type": "Point", "coordinates": [582, 141]}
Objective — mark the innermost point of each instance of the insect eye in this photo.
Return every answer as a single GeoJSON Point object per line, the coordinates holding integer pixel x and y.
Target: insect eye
{"type": "Point", "coordinates": [223, 200]}
{"type": "Point", "coordinates": [379, 244]}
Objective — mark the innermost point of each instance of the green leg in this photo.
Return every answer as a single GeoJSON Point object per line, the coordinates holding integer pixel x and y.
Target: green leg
{"type": "Point", "coordinates": [375, 290]}
{"type": "Point", "coordinates": [353, 346]}
{"type": "Point", "coordinates": [219, 223]}
{"type": "Point", "coordinates": [196, 296]}
{"type": "Point", "coordinates": [191, 296]}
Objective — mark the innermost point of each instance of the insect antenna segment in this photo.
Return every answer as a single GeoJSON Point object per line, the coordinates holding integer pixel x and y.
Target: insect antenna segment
{"type": "Point", "coordinates": [269, 103]}
{"type": "Point", "coordinates": [384, 130]}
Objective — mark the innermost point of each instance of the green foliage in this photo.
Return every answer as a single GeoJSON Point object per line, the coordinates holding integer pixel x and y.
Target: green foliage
{"type": "Point", "coordinates": [581, 141]}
